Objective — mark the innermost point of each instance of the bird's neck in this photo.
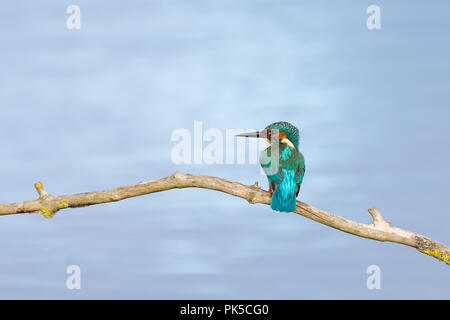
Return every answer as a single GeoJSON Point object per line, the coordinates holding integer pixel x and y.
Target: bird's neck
{"type": "Point", "coordinates": [284, 151]}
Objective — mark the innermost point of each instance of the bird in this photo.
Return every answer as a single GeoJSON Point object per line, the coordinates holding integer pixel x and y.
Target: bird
{"type": "Point", "coordinates": [282, 162]}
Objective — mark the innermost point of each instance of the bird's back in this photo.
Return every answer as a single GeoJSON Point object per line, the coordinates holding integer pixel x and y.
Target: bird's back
{"type": "Point", "coordinates": [285, 170]}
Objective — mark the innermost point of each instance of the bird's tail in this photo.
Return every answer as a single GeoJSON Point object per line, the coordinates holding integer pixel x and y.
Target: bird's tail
{"type": "Point", "coordinates": [284, 198]}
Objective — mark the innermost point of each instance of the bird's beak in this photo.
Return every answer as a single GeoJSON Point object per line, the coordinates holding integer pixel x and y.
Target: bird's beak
{"type": "Point", "coordinates": [256, 134]}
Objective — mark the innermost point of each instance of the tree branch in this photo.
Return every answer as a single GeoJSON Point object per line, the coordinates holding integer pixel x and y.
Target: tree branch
{"type": "Point", "coordinates": [380, 230]}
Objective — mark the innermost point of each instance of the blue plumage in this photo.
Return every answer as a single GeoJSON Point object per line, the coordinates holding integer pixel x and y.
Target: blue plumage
{"type": "Point", "coordinates": [285, 194]}
{"type": "Point", "coordinates": [286, 176]}
{"type": "Point", "coordinates": [283, 164]}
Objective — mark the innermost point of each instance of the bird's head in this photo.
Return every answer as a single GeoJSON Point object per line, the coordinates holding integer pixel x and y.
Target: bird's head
{"type": "Point", "coordinates": [282, 131]}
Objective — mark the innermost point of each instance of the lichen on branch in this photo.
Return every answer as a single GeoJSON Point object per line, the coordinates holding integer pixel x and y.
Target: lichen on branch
{"type": "Point", "coordinates": [379, 229]}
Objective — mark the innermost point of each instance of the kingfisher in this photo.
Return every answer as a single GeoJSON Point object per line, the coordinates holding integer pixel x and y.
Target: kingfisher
{"type": "Point", "coordinates": [282, 162]}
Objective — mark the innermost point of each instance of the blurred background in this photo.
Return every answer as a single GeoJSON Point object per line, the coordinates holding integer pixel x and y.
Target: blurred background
{"type": "Point", "coordinates": [94, 108]}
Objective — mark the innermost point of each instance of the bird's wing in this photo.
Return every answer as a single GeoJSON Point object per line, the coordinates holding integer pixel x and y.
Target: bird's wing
{"type": "Point", "coordinates": [299, 173]}
{"type": "Point", "coordinates": [295, 162]}
{"type": "Point", "coordinates": [273, 171]}
{"type": "Point", "coordinates": [300, 169]}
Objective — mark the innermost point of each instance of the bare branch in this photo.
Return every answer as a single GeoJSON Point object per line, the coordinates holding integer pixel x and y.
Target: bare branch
{"type": "Point", "coordinates": [379, 230]}
{"type": "Point", "coordinates": [40, 189]}
{"type": "Point", "coordinates": [378, 220]}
